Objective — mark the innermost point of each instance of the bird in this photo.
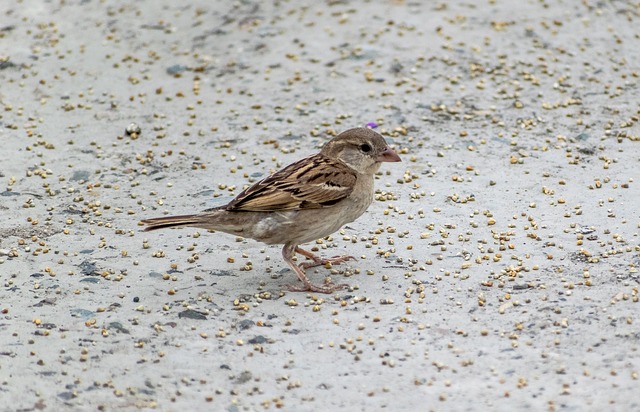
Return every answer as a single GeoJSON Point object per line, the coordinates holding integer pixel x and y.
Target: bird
{"type": "Point", "coordinates": [305, 201]}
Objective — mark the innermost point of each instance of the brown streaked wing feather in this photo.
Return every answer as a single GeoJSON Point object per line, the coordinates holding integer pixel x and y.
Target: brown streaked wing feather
{"type": "Point", "coordinates": [310, 183]}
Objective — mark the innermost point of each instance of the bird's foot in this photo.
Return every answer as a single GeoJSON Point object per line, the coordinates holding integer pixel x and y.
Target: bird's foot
{"type": "Point", "coordinates": [336, 260]}
{"type": "Point", "coordinates": [287, 253]}
{"type": "Point", "coordinates": [319, 261]}
{"type": "Point", "coordinates": [310, 287]}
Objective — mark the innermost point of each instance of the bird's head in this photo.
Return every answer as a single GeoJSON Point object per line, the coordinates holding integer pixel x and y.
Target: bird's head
{"type": "Point", "coordinates": [362, 149]}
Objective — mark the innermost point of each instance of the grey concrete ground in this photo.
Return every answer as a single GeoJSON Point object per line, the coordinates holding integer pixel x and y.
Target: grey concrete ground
{"type": "Point", "coordinates": [497, 268]}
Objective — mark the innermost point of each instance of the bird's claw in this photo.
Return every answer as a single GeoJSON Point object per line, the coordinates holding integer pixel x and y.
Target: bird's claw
{"type": "Point", "coordinates": [310, 287]}
{"type": "Point", "coordinates": [336, 260]}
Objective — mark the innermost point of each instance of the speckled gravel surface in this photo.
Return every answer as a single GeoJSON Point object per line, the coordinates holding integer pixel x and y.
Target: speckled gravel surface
{"type": "Point", "coordinates": [497, 268]}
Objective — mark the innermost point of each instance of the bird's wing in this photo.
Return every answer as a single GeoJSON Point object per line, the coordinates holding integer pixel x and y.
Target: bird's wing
{"type": "Point", "coordinates": [310, 183]}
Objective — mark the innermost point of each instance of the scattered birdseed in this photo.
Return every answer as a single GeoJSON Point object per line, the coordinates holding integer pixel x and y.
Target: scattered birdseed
{"type": "Point", "coordinates": [531, 117]}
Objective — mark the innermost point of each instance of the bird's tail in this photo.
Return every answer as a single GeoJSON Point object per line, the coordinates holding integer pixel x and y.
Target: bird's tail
{"type": "Point", "coordinates": [171, 221]}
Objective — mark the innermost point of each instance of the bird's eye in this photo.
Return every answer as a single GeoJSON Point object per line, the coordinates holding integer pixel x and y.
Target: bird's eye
{"type": "Point", "coordinates": [365, 147]}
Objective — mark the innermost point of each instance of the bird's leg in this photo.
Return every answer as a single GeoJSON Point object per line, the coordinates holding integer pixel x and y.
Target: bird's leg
{"type": "Point", "coordinates": [318, 261]}
{"type": "Point", "coordinates": [288, 252]}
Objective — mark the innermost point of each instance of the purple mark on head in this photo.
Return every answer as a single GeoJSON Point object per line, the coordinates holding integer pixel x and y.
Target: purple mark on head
{"type": "Point", "coordinates": [372, 125]}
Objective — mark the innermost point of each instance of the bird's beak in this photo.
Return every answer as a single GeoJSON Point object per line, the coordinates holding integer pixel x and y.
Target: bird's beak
{"type": "Point", "coordinates": [388, 155]}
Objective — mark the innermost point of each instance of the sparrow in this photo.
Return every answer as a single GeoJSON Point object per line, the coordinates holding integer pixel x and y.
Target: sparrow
{"type": "Point", "coordinates": [305, 201]}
